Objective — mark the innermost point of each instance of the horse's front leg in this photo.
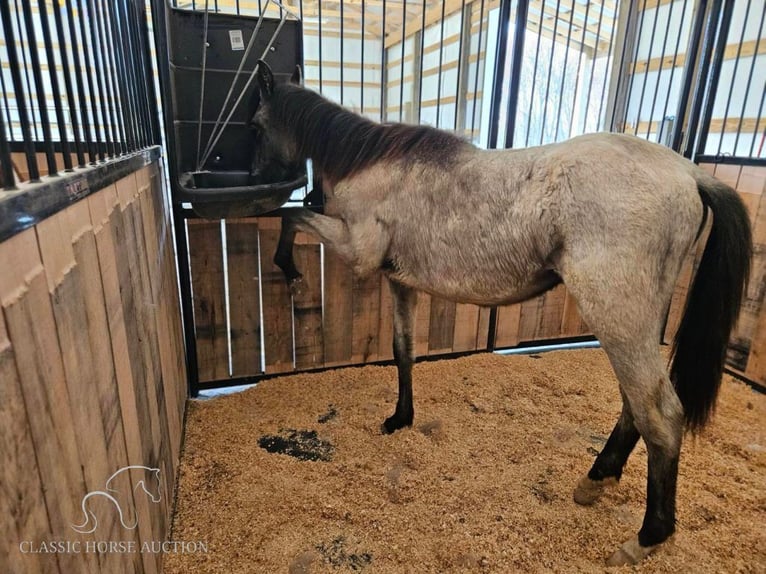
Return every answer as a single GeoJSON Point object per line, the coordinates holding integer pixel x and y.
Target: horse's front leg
{"type": "Point", "coordinates": [330, 231]}
{"type": "Point", "coordinates": [405, 300]}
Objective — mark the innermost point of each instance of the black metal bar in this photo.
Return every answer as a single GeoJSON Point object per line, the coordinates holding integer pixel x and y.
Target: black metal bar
{"type": "Point", "coordinates": [67, 71]}
{"type": "Point", "coordinates": [138, 84]}
{"type": "Point", "coordinates": [758, 125]}
{"type": "Point", "coordinates": [673, 68]}
{"type": "Point", "coordinates": [749, 83]}
{"type": "Point", "coordinates": [6, 107]}
{"type": "Point", "coordinates": [731, 160]}
{"type": "Point", "coordinates": [152, 99]}
{"type": "Point", "coordinates": [401, 64]}
{"type": "Point", "coordinates": [5, 159]}
{"type": "Point", "coordinates": [646, 73]}
{"type": "Point", "coordinates": [319, 26]}
{"type": "Point", "coordinates": [111, 80]}
{"type": "Point", "coordinates": [126, 104]}
{"type": "Point", "coordinates": [593, 67]}
{"type": "Point", "coordinates": [632, 75]}
{"type": "Point", "coordinates": [499, 73]}
{"type": "Point", "coordinates": [130, 78]}
{"type": "Point", "coordinates": [714, 68]}
{"type": "Point", "coordinates": [422, 47]}
{"type": "Point", "coordinates": [579, 64]}
{"type": "Point", "coordinates": [54, 80]}
{"type": "Point", "coordinates": [550, 72]}
{"type": "Point", "coordinates": [476, 76]}
{"type": "Point", "coordinates": [734, 77]}
{"type": "Point", "coordinates": [459, 64]}
{"type": "Point", "coordinates": [659, 72]}
{"type": "Point", "coordinates": [441, 61]}
{"type": "Point", "coordinates": [18, 87]}
{"type": "Point", "coordinates": [25, 67]}
{"type": "Point", "coordinates": [50, 156]}
{"type": "Point", "coordinates": [517, 58]}
{"type": "Point", "coordinates": [98, 126]}
{"type": "Point", "coordinates": [564, 74]}
{"type": "Point", "coordinates": [342, 60]}
{"type": "Point", "coordinates": [98, 63]}
{"type": "Point", "coordinates": [609, 62]}
{"type": "Point", "coordinates": [78, 74]}
{"type": "Point", "coordinates": [383, 98]}
{"type": "Point", "coordinates": [534, 73]}
{"type": "Point", "coordinates": [692, 53]}
{"type": "Point", "coordinates": [361, 65]}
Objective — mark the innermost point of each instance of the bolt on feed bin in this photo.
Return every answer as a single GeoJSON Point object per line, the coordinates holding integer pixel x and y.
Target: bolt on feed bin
{"type": "Point", "coordinates": [212, 61]}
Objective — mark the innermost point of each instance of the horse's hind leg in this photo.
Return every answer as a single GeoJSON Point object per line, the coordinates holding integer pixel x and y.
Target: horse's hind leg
{"type": "Point", "coordinates": [405, 300]}
{"type": "Point", "coordinates": [607, 469]}
{"type": "Point", "coordinates": [658, 417]}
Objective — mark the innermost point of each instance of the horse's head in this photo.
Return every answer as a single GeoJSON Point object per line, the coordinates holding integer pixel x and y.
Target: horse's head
{"type": "Point", "coordinates": [153, 485]}
{"type": "Point", "coordinates": [275, 156]}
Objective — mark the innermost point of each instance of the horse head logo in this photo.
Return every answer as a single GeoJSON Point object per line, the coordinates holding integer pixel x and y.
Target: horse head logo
{"type": "Point", "coordinates": [146, 479]}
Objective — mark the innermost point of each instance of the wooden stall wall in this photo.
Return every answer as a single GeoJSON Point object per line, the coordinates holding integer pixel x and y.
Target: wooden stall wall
{"type": "Point", "coordinates": [337, 319]}
{"type": "Point", "coordinates": [93, 380]}
{"type": "Point", "coordinates": [747, 348]}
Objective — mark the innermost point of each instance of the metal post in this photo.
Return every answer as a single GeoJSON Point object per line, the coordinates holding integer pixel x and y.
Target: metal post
{"type": "Point", "coordinates": [497, 82]}
{"type": "Point", "coordinates": [517, 55]}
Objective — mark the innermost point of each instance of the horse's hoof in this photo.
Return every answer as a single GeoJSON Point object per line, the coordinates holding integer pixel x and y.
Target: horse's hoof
{"type": "Point", "coordinates": [296, 285]}
{"type": "Point", "coordinates": [589, 491]}
{"type": "Point", "coordinates": [393, 424]}
{"type": "Point", "coordinates": [630, 553]}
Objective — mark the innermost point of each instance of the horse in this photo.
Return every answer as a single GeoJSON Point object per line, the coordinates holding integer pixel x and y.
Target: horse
{"type": "Point", "coordinates": [611, 216]}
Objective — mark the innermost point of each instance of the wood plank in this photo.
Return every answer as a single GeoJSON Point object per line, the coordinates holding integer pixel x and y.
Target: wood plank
{"type": "Point", "coordinates": [442, 326]}
{"type": "Point", "coordinates": [466, 325]}
{"type": "Point", "coordinates": [277, 301]}
{"type": "Point", "coordinates": [206, 263]}
{"type": "Point", "coordinates": [422, 324]}
{"type": "Point", "coordinates": [118, 296]}
{"type": "Point", "coordinates": [508, 323]}
{"type": "Point", "coordinates": [169, 348]}
{"type": "Point", "coordinates": [23, 514]}
{"type": "Point", "coordinates": [728, 174]}
{"type": "Point", "coordinates": [482, 330]}
{"type": "Point", "coordinates": [551, 313]}
{"type": "Point", "coordinates": [307, 305]}
{"type": "Point", "coordinates": [366, 318]}
{"type": "Point", "coordinates": [338, 310]}
{"type": "Point", "coordinates": [145, 310]}
{"type": "Point", "coordinates": [244, 296]}
{"type": "Point", "coordinates": [571, 323]}
{"type": "Point", "coordinates": [75, 289]}
{"type": "Point", "coordinates": [31, 327]}
{"type": "Point", "coordinates": [529, 321]}
{"type": "Point", "coordinates": [148, 242]}
{"type": "Point", "coordinates": [386, 323]}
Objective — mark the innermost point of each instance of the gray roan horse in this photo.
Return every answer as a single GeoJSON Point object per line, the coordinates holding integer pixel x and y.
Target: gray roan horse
{"type": "Point", "coordinates": [612, 216]}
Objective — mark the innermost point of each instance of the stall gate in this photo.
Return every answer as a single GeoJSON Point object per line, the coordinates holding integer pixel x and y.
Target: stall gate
{"type": "Point", "coordinates": [503, 73]}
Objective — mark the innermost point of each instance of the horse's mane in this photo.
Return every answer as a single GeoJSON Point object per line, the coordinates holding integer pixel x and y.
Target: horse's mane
{"type": "Point", "coordinates": [341, 143]}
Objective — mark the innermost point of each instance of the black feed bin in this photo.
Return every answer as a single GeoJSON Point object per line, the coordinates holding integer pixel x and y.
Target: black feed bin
{"type": "Point", "coordinates": [218, 184]}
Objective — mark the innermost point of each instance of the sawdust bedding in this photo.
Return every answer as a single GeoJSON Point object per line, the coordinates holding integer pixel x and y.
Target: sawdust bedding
{"type": "Point", "coordinates": [294, 476]}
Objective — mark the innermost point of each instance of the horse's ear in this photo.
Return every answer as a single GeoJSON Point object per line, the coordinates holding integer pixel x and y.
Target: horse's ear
{"type": "Point", "coordinates": [297, 77]}
{"type": "Point", "coordinates": [265, 80]}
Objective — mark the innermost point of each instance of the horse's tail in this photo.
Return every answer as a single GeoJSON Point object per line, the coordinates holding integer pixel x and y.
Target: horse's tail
{"type": "Point", "coordinates": [712, 306]}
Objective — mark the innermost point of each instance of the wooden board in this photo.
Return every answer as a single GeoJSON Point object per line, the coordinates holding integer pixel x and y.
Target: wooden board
{"type": "Point", "coordinates": [307, 305]}
{"type": "Point", "coordinates": [23, 515]}
{"type": "Point", "coordinates": [422, 324]}
{"type": "Point", "coordinates": [244, 296]}
{"type": "Point", "coordinates": [338, 311]}
{"type": "Point", "coordinates": [277, 302]}
{"type": "Point", "coordinates": [365, 319]}
{"type": "Point", "coordinates": [386, 324]}
{"type": "Point", "coordinates": [108, 226]}
{"type": "Point", "coordinates": [31, 327]}
{"type": "Point", "coordinates": [508, 323]}
{"type": "Point", "coordinates": [464, 337]}
{"type": "Point", "coordinates": [206, 264]}
{"type": "Point", "coordinates": [442, 326]}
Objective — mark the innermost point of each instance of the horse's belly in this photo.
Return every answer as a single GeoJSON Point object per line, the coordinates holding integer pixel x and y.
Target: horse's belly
{"type": "Point", "coordinates": [487, 292]}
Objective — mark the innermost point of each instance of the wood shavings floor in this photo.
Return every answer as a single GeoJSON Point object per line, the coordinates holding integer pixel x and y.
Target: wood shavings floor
{"type": "Point", "coordinates": [482, 483]}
